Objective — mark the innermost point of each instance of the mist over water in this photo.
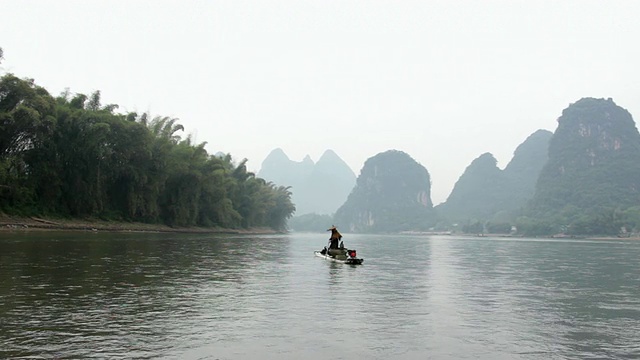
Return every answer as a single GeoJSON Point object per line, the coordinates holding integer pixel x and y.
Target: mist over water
{"type": "Point", "coordinates": [82, 295]}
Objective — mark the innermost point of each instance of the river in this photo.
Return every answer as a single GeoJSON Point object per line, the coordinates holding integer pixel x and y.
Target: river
{"type": "Point", "coordinates": [175, 296]}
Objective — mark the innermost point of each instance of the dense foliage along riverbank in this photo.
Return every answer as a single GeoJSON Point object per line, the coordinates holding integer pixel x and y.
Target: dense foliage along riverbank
{"type": "Point", "coordinates": [71, 156]}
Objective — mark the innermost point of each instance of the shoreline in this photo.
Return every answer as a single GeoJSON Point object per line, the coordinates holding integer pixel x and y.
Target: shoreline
{"type": "Point", "coordinates": [18, 223]}
{"type": "Point", "coordinates": [10, 223]}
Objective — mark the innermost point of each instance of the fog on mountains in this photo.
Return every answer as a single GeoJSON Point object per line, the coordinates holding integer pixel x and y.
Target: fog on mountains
{"type": "Point", "coordinates": [441, 81]}
{"type": "Point", "coordinates": [319, 187]}
{"type": "Point", "coordinates": [582, 179]}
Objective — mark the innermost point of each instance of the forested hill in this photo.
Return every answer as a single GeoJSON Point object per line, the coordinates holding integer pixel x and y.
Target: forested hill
{"type": "Point", "coordinates": [486, 193]}
{"type": "Point", "coordinates": [72, 156]}
{"type": "Point", "coordinates": [591, 182]}
{"type": "Point", "coordinates": [392, 193]}
{"type": "Point", "coordinates": [478, 193]}
{"type": "Point", "coordinates": [528, 160]}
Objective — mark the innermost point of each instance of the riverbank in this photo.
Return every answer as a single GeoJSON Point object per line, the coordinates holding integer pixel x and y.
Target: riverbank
{"type": "Point", "coordinates": [16, 223]}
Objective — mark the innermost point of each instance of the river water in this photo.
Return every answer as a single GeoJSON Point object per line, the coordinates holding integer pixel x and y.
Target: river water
{"type": "Point", "coordinates": [169, 296]}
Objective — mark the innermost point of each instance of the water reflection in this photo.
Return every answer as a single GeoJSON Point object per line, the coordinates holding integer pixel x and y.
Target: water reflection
{"type": "Point", "coordinates": [94, 286]}
{"type": "Point", "coordinates": [86, 295]}
{"type": "Point", "coordinates": [552, 291]}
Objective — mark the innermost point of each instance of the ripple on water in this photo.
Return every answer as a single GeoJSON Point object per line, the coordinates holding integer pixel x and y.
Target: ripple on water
{"type": "Point", "coordinates": [267, 297]}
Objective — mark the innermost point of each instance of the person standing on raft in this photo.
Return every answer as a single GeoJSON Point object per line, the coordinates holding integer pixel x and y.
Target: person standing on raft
{"type": "Point", "coordinates": [336, 247]}
{"type": "Point", "coordinates": [335, 237]}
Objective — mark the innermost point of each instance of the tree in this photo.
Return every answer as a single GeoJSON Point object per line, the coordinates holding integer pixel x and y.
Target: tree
{"type": "Point", "coordinates": [25, 111]}
{"type": "Point", "coordinates": [72, 156]}
{"type": "Point", "coordinates": [26, 120]}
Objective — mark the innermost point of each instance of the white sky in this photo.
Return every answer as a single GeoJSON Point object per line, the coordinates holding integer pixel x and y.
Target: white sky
{"type": "Point", "coordinates": [444, 81]}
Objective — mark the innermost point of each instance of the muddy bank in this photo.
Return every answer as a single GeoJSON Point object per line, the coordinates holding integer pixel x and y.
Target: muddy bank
{"type": "Point", "coordinates": [14, 223]}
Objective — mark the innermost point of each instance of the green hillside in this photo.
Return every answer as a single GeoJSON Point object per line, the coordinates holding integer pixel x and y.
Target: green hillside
{"type": "Point", "coordinates": [392, 193]}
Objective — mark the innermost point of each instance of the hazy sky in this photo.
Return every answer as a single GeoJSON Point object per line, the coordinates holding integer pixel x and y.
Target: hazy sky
{"type": "Point", "coordinates": [444, 81]}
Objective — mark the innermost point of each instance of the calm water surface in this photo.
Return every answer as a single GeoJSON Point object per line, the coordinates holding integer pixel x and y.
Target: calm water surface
{"type": "Point", "coordinates": [161, 296]}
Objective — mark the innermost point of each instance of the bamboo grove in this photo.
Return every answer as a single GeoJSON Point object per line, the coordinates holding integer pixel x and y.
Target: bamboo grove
{"type": "Point", "coordinates": [71, 156]}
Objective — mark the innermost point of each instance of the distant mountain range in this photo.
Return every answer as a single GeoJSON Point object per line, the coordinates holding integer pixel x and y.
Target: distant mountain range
{"type": "Point", "coordinates": [591, 182]}
{"type": "Point", "coordinates": [583, 179]}
{"type": "Point", "coordinates": [484, 190]}
{"type": "Point", "coordinates": [318, 188]}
